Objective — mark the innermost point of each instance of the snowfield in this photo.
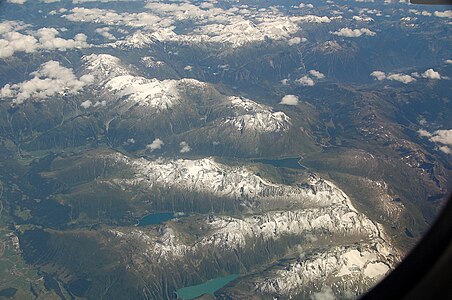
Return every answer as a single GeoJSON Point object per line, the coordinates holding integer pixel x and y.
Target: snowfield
{"type": "Point", "coordinates": [123, 85]}
{"type": "Point", "coordinates": [328, 212]}
{"type": "Point", "coordinates": [251, 116]}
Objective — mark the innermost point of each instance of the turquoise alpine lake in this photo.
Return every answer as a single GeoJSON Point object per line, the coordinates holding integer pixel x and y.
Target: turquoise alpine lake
{"type": "Point", "coordinates": [208, 287]}
{"type": "Point", "coordinates": [155, 218]}
{"type": "Point", "coordinates": [291, 163]}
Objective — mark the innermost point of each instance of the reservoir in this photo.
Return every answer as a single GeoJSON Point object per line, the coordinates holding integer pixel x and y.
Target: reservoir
{"type": "Point", "coordinates": [291, 163]}
{"type": "Point", "coordinates": [155, 218]}
{"type": "Point", "coordinates": [208, 287]}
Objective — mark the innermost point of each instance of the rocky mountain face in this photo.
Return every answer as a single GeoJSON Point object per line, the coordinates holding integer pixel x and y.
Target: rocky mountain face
{"type": "Point", "coordinates": [287, 220]}
{"type": "Point", "coordinates": [179, 109]}
{"type": "Point", "coordinates": [314, 237]}
{"type": "Point", "coordinates": [303, 147]}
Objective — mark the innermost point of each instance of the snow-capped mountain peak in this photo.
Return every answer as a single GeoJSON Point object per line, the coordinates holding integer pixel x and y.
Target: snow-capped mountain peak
{"type": "Point", "coordinates": [253, 116]}
{"type": "Point", "coordinates": [104, 66]}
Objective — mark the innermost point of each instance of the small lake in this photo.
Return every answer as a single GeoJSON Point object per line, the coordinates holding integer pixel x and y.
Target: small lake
{"type": "Point", "coordinates": [291, 163]}
{"type": "Point", "coordinates": [156, 218]}
{"type": "Point", "coordinates": [208, 287]}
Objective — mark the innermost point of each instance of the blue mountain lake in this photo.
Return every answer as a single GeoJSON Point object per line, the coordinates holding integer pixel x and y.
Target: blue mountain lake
{"type": "Point", "coordinates": [155, 218]}
{"type": "Point", "coordinates": [292, 162]}
{"type": "Point", "coordinates": [208, 287]}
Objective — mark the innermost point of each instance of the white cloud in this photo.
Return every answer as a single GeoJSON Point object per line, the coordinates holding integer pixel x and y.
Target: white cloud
{"type": "Point", "coordinates": [422, 121]}
{"type": "Point", "coordinates": [445, 149]}
{"type": "Point", "coordinates": [234, 27]}
{"type": "Point", "coordinates": [448, 61]}
{"type": "Point", "coordinates": [424, 133]}
{"type": "Point", "coordinates": [443, 14]}
{"type": "Point", "coordinates": [312, 19]}
{"type": "Point", "coordinates": [13, 41]}
{"type": "Point", "coordinates": [100, 103]}
{"type": "Point", "coordinates": [7, 26]}
{"type": "Point", "coordinates": [347, 32]}
{"type": "Point", "coordinates": [305, 81]}
{"type": "Point", "coordinates": [403, 78]}
{"type": "Point", "coordinates": [420, 13]}
{"type": "Point", "coordinates": [370, 12]}
{"type": "Point", "coordinates": [294, 41]}
{"type": "Point", "coordinates": [48, 40]}
{"type": "Point", "coordinates": [289, 100]}
{"type": "Point", "coordinates": [50, 1]}
{"type": "Point", "coordinates": [431, 74]}
{"type": "Point", "coordinates": [184, 147]}
{"type": "Point", "coordinates": [156, 144]}
{"type": "Point", "coordinates": [317, 74]}
{"type": "Point", "coordinates": [285, 81]}
{"type": "Point", "coordinates": [105, 32]}
{"type": "Point", "coordinates": [362, 19]}
{"type": "Point", "coordinates": [441, 137]}
{"type": "Point", "coordinates": [111, 17]}
{"type": "Point", "coordinates": [309, 5]}
{"type": "Point", "coordinates": [6, 91]}
{"type": "Point", "coordinates": [86, 104]}
{"type": "Point", "coordinates": [17, 1]}
{"type": "Point", "coordinates": [379, 75]}
{"type": "Point", "coordinates": [51, 79]}
{"type": "Point", "coordinates": [325, 294]}
{"type": "Point", "coordinates": [102, 1]}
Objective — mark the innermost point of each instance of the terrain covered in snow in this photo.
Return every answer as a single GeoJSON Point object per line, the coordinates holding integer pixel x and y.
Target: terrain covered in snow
{"type": "Point", "coordinates": [328, 212]}
{"type": "Point", "coordinates": [257, 117]}
{"type": "Point", "coordinates": [288, 148]}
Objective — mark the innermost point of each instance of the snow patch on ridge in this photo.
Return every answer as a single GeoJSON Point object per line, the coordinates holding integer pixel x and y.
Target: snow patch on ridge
{"type": "Point", "coordinates": [236, 182]}
{"type": "Point", "coordinates": [364, 262]}
{"type": "Point", "coordinates": [146, 92]}
{"type": "Point", "coordinates": [256, 117]}
{"type": "Point", "coordinates": [104, 66]}
{"type": "Point", "coordinates": [233, 233]}
{"type": "Point", "coordinates": [120, 81]}
{"type": "Point", "coordinates": [328, 213]}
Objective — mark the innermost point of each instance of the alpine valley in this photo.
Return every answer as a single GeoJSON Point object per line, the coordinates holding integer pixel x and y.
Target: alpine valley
{"type": "Point", "coordinates": [147, 147]}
